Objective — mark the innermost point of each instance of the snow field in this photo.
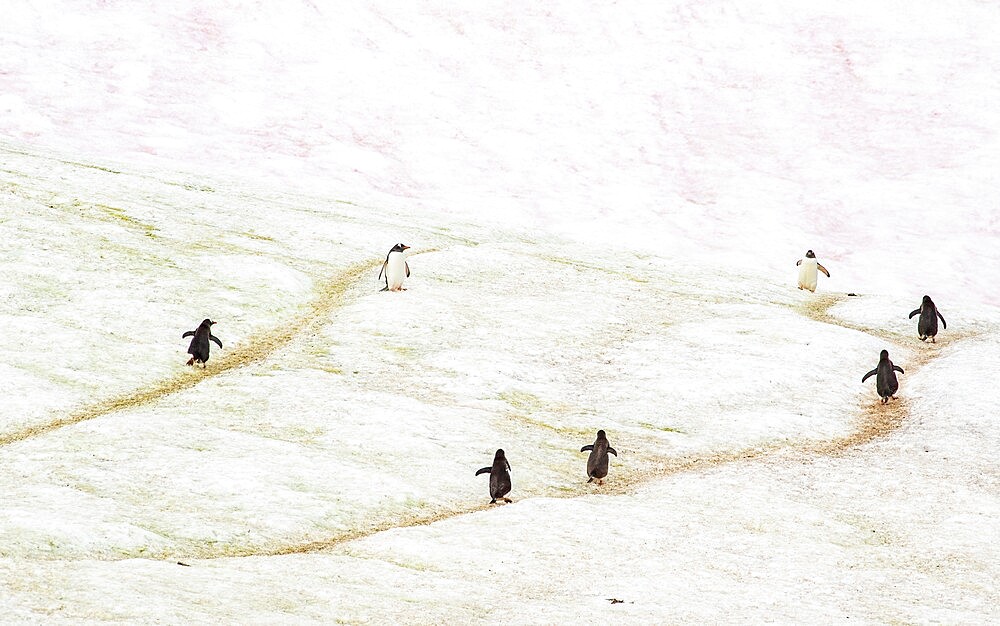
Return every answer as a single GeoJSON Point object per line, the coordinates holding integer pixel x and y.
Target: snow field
{"type": "Point", "coordinates": [608, 204]}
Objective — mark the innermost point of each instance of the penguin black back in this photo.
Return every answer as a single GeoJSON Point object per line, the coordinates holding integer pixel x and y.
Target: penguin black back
{"type": "Point", "coordinates": [927, 323]}
{"type": "Point", "coordinates": [199, 346]}
{"type": "Point", "coordinates": [885, 377]}
{"type": "Point", "coordinates": [597, 462]}
{"type": "Point", "coordinates": [499, 477]}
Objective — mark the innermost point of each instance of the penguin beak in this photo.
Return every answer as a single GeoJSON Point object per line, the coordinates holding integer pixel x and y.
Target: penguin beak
{"type": "Point", "coordinates": [406, 247]}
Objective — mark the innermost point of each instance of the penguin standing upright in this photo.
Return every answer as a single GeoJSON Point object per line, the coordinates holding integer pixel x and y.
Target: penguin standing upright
{"type": "Point", "coordinates": [885, 377]}
{"type": "Point", "coordinates": [198, 349]}
{"type": "Point", "coordinates": [499, 477]}
{"type": "Point", "coordinates": [395, 268]}
{"type": "Point", "coordinates": [927, 324]}
{"type": "Point", "coordinates": [807, 271]}
{"type": "Point", "coordinates": [597, 462]}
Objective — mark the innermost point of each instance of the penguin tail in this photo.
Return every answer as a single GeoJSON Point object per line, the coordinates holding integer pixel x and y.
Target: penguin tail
{"type": "Point", "coordinates": [591, 480]}
{"type": "Point", "coordinates": [493, 501]}
{"type": "Point", "coordinates": [386, 288]}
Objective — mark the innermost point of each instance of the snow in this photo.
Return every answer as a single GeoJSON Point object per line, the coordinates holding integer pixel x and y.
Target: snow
{"type": "Point", "coordinates": [605, 207]}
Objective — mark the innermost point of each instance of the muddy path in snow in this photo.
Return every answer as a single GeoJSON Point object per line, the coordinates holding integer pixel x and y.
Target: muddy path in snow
{"type": "Point", "coordinates": [874, 421]}
{"type": "Point", "coordinates": [330, 295]}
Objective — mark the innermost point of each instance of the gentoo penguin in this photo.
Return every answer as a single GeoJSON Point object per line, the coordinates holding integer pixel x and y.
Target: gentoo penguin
{"type": "Point", "coordinates": [199, 345]}
{"type": "Point", "coordinates": [395, 268]}
{"type": "Point", "coordinates": [807, 271]}
{"type": "Point", "coordinates": [927, 324]}
{"type": "Point", "coordinates": [499, 477]}
{"type": "Point", "coordinates": [597, 462]}
{"type": "Point", "coordinates": [885, 378]}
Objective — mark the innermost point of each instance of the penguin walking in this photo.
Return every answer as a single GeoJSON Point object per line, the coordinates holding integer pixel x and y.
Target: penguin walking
{"type": "Point", "coordinates": [499, 477]}
{"type": "Point", "coordinates": [885, 377]}
{"type": "Point", "coordinates": [199, 345]}
{"type": "Point", "coordinates": [597, 462]}
{"type": "Point", "coordinates": [395, 268]}
{"type": "Point", "coordinates": [807, 271]}
{"type": "Point", "coordinates": [927, 323]}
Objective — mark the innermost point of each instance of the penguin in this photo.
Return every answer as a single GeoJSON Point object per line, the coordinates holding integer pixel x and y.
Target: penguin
{"type": "Point", "coordinates": [395, 268]}
{"type": "Point", "coordinates": [885, 379]}
{"type": "Point", "coordinates": [499, 477]}
{"type": "Point", "coordinates": [807, 271]}
{"type": "Point", "coordinates": [927, 324]}
{"type": "Point", "coordinates": [199, 345]}
{"type": "Point", "coordinates": [597, 462]}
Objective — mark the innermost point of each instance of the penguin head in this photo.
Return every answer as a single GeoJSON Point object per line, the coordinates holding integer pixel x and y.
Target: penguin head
{"type": "Point", "coordinates": [927, 300]}
{"type": "Point", "coordinates": [207, 322]}
{"type": "Point", "coordinates": [399, 247]}
{"type": "Point", "coordinates": [601, 435]}
{"type": "Point", "coordinates": [883, 355]}
{"type": "Point", "coordinates": [499, 455]}
{"type": "Point", "coordinates": [810, 255]}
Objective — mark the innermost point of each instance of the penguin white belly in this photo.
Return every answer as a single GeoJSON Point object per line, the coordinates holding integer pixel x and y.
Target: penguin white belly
{"type": "Point", "coordinates": [807, 274]}
{"type": "Point", "coordinates": [395, 271]}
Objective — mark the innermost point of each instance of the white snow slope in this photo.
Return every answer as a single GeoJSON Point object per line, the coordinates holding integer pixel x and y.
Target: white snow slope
{"type": "Point", "coordinates": [605, 204]}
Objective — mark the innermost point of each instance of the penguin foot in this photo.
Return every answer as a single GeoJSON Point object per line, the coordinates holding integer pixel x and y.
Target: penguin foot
{"type": "Point", "coordinates": [507, 500]}
{"type": "Point", "coordinates": [190, 361]}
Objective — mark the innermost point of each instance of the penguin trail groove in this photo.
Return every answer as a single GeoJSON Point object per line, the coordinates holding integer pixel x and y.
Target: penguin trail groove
{"type": "Point", "coordinates": [875, 420]}
{"type": "Point", "coordinates": [259, 347]}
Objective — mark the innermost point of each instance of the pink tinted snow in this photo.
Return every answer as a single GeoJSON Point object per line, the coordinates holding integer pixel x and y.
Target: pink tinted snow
{"type": "Point", "coordinates": [779, 130]}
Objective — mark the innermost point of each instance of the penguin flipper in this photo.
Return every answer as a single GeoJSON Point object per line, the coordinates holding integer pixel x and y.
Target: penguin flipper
{"type": "Point", "coordinates": [898, 369]}
{"type": "Point", "coordinates": [215, 339]}
{"type": "Point", "coordinates": [587, 447]}
{"type": "Point", "coordinates": [508, 466]}
{"type": "Point", "coordinates": [485, 470]}
{"type": "Point", "coordinates": [871, 373]}
{"type": "Point", "coordinates": [407, 266]}
{"type": "Point", "coordinates": [382, 271]}
{"type": "Point", "coordinates": [942, 319]}
{"type": "Point", "coordinates": [823, 269]}
{"type": "Point", "coordinates": [189, 333]}
{"type": "Point", "coordinates": [612, 451]}
{"type": "Point", "coordinates": [912, 313]}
